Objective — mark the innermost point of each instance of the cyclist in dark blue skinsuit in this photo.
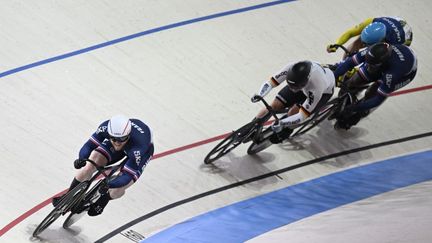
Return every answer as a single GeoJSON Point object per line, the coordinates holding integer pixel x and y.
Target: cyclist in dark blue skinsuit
{"type": "Point", "coordinates": [388, 67]}
{"type": "Point", "coordinates": [114, 140]}
{"type": "Point", "coordinates": [396, 31]}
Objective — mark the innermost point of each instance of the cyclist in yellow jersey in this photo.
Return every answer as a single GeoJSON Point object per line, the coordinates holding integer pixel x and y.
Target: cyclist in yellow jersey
{"type": "Point", "coordinates": [392, 30]}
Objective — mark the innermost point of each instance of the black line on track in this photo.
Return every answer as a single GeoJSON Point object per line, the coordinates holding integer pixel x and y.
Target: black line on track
{"type": "Point", "coordinates": [257, 178]}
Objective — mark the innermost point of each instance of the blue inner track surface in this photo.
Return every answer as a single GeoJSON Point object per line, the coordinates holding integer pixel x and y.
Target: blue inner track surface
{"type": "Point", "coordinates": [247, 219]}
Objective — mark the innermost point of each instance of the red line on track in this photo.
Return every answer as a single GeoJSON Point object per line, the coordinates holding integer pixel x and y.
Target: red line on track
{"type": "Point", "coordinates": [166, 153]}
{"type": "Point", "coordinates": [406, 91]}
{"type": "Point", "coordinates": [27, 214]}
{"type": "Point", "coordinates": [193, 145]}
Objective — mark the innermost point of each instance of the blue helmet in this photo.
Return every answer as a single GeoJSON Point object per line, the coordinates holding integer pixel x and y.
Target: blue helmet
{"type": "Point", "coordinates": [373, 33]}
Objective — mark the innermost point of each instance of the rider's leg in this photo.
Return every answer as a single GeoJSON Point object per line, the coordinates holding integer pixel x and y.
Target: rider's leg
{"type": "Point", "coordinates": [97, 207]}
{"type": "Point", "coordinates": [84, 173]}
{"type": "Point", "coordinates": [371, 91]}
{"type": "Point", "coordinates": [293, 110]}
{"type": "Point", "coordinates": [289, 99]}
{"type": "Point", "coordinates": [113, 193]}
{"type": "Point", "coordinates": [347, 120]}
{"type": "Point", "coordinates": [119, 192]}
{"type": "Point", "coordinates": [87, 171]}
{"type": "Point", "coordinates": [355, 83]}
{"type": "Point", "coordinates": [287, 131]}
{"type": "Point", "coordinates": [276, 105]}
{"type": "Point", "coordinates": [285, 98]}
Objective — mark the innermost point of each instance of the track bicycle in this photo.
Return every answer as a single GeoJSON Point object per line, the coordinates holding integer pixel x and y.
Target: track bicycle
{"type": "Point", "coordinates": [78, 199]}
{"type": "Point", "coordinates": [259, 135]}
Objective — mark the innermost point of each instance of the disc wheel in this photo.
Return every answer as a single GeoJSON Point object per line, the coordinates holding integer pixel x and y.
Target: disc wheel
{"type": "Point", "coordinates": [262, 142]}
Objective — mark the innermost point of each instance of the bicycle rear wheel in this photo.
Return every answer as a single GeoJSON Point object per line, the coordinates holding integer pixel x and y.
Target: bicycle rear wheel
{"type": "Point", "coordinates": [317, 117]}
{"type": "Point", "coordinates": [262, 142]}
{"type": "Point", "coordinates": [230, 142]}
{"type": "Point", "coordinates": [68, 201]}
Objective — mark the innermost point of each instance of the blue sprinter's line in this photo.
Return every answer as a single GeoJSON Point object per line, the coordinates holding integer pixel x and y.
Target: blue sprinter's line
{"type": "Point", "coordinates": [140, 34]}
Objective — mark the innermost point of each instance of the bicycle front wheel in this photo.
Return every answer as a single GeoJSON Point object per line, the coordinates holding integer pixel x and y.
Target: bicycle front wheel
{"type": "Point", "coordinates": [230, 142]}
{"type": "Point", "coordinates": [69, 200]}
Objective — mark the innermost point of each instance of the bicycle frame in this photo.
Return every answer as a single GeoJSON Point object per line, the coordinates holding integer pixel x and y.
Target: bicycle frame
{"type": "Point", "coordinates": [101, 171]}
{"type": "Point", "coordinates": [78, 196]}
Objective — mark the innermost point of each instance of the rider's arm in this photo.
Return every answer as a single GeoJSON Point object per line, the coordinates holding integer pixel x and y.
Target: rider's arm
{"type": "Point", "coordinates": [274, 81]}
{"type": "Point", "coordinates": [120, 181]}
{"type": "Point", "coordinates": [349, 63]}
{"type": "Point", "coordinates": [267, 86]}
{"type": "Point", "coordinates": [295, 119]}
{"type": "Point", "coordinates": [313, 97]}
{"type": "Point", "coordinates": [134, 166]}
{"type": "Point", "coordinates": [343, 67]}
{"type": "Point", "coordinates": [354, 31]}
{"type": "Point", "coordinates": [94, 141]}
{"type": "Point", "coordinates": [86, 149]}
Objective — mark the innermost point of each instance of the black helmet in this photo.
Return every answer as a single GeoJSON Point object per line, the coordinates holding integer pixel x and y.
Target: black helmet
{"type": "Point", "coordinates": [378, 54]}
{"type": "Point", "coordinates": [298, 75]}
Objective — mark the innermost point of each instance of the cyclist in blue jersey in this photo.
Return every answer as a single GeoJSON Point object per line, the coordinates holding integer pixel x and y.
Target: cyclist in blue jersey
{"type": "Point", "coordinates": [115, 139]}
{"type": "Point", "coordinates": [386, 67]}
{"type": "Point", "coordinates": [393, 30]}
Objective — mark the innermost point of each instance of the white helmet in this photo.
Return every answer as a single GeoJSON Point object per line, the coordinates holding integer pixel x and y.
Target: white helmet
{"type": "Point", "coordinates": [119, 126]}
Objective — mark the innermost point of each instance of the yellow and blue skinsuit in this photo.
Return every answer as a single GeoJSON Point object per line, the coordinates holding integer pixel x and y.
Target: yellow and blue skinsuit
{"type": "Point", "coordinates": [397, 29]}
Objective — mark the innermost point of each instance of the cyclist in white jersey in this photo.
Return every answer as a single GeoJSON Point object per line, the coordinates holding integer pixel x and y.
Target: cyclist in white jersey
{"type": "Point", "coordinates": [310, 86]}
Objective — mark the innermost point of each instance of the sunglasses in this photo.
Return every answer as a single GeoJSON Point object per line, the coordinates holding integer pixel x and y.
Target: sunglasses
{"type": "Point", "coordinates": [119, 139]}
